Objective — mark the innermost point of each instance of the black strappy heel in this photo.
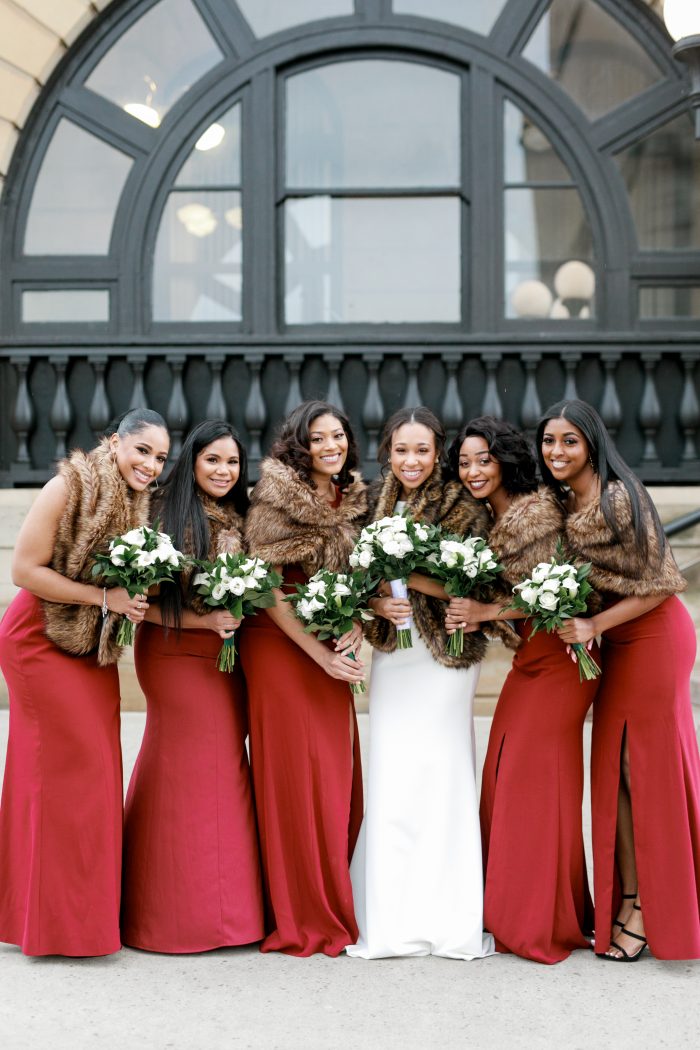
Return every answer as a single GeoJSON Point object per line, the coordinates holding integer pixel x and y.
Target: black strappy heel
{"type": "Point", "coordinates": [625, 897]}
{"type": "Point", "coordinates": [626, 957]}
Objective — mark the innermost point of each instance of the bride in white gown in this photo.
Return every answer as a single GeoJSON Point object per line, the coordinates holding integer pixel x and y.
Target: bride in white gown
{"type": "Point", "coordinates": [416, 872]}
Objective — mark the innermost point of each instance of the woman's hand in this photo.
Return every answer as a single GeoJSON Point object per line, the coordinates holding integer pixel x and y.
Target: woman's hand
{"type": "Point", "coordinates": [343, 667]}
{"type": "Point", "coordinates": [119, 601]}
{"type": "Point", "coordinates": [577, 631]}
{"type": "Point", "coordinates": [396, 610]}
{"type": "Point", "coordinates": [351, 641]}
{"type": "Point", "coordinates": [465, 613]}
{"type": "Point", "coordinates": [222, 622]}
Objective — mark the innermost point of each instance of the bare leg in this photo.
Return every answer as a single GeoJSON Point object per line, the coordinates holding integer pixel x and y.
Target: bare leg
{"type": "Point", "coordinates": [630, 913]}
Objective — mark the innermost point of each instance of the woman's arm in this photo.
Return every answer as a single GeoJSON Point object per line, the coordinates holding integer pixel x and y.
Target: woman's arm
{"type": "Point", "coordinates": [427, 585]}
{"type": "Point", "coordinates": [462, 611]}
{"type": "Point", "coordinates": [581, 630]}
{"type": "Point", "coordinates": [34, 551]}
{"type": "Point", "coordinates": [218, 620]}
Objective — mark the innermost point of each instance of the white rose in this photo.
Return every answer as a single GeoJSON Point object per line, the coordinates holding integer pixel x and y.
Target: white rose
{"type": "Point", "coordinates": [135, 538]}
{"type": "Point", "coordinates": [235, 586]}
{"type": "Point", "coordinates": [571, 585]}
{"type": "Point", "coordinates": [470, 571]}
{"type": "Point", "coordinates": [200, 578]}
{"type": "Point", "coordinates": [548, 600]}
{"type": "Point", "coordinates": [315, 604]}
{"type": "Point", "coordinates": [365, 559]}
{"type": "Point", "coordinates": [551, 585]}
{"type": "Point", "coordinates": [391, 547]}
{"type": "Point", "coordinates": [304, 610]}
{"type": "Point", "coordinates": [540, 574]}
{"type": "Point", "coordinates": [259, 572]}
{"type": "Point", "coordinates": [248, 565]}
{"type": "Point", "coordinates": [529, 594]}
{"type": "Point", "coordinates": [316, 587]}
{"type": "Point", "coordinates": [117, 554]}
{"type": "Point", "coordinates": [218, 591]}
{"type": "Point", "coordinates": [250, 583]}
{"type": "Point", "coordinates": [145, 558]}
{"type": "Point", "coordinates": [354, 559]}
{"type": "Point", "coordinates": [341, 589]}
{"type": "Point", "coordinates": [421, 532]}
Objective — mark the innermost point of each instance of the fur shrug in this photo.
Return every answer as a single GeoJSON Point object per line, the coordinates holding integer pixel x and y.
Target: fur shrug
{"type": "Point", "coordinates": [225, 537]}
{"type": "Point", "coordinates": [618, 569]}
{"type": "Point", "coordinates": [288, 524]}
{"type": "Point", "coordinates": [441, 503]}
{"type": "Point", "coordinates": [100, 505]}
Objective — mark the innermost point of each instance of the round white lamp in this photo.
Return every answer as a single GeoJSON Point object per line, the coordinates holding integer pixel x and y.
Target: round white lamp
{"type": "Point", "coordinates": [531, 299]}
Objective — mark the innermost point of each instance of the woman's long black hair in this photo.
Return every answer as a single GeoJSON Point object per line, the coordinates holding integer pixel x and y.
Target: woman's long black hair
{"type": "Point", "coordinates": [180, 512]}
{"type": "Point", "coordinates": [293, 442]}
{"type": "Point", "coordinates": [609, 466]}
{"type": "Point", "coordinates": [510, 449]}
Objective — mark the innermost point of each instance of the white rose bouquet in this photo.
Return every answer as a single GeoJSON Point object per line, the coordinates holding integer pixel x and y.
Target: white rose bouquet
{"type": "Point", "coordinates": [391, 549]}
{"type": "Point", "coordinates": [241, 585]}
{"type": "Point", "coordinates": [136, 561]}
{"type": "Point", "coordinates": [328, 603]}
{"type": "Point", "coordinates": [554, 592]}
{"type": "Point", "coordinates": [466, 567]}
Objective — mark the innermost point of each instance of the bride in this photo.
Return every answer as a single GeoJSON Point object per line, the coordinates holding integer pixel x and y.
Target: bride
{"type": "Point", "coordinates": [417, 872]}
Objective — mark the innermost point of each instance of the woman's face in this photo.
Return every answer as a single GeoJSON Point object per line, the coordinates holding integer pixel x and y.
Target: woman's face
{"type": "Point", "coordinates": [328, 447]}
{"type": "Point", "coordinates": [565, 450]}
{"type": "Point", "coordinates": [479, 472]}
{"type": "Point", "coordinates": [141, 456]}
{"type": "Point", "coordinates": [217, 467]}
{"type": "Point", "coordinates": [413, 454]}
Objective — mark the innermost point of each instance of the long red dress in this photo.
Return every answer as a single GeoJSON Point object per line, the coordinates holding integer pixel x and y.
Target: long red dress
{"type": "Point", "coordinates": [646, 690]}
{"type": "Point", "coordinates": [191, 857]}
{"type": "Point", "coordinates": [308, 790]}
{"type": "Point", "coordinates": [61, 812]}
{"type": "Point", "coordinates": [536, 900]}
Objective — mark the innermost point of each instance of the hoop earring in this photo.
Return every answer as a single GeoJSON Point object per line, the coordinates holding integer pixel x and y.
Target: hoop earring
{"type": "Point", "coordinates": [155, 483]}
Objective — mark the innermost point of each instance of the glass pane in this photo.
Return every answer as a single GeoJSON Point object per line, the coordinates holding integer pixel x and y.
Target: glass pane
{"type": "Point", "coordinates": [662, 173]}
{"type": "Point", "coordinates": [545, 229]}
{"type": "Point", "coordinates": [477, 15]}
{"type": "Point", "coordinates": [216, 157]}
{"type": "Point", "coordinates": [529, 155]}
{"type": "Point", "coordinates": [155, 61]}
{"type": "Point", "coordinates": [373, 123]}
{"type": "Point", "coordinates": [669, 302]}
{"type": "Point", "coordinates": [76, 195]}
{"type": "Point", "coordinates": [197, 265]}
{"type": "Point", "coordinates": [395, 260]}
{"type": "Point", "coordinates": [270, 16]}
{"type": "Point", "coordinates": [65, 305]}
{"type": "Point", "coordinates": [590, 55]}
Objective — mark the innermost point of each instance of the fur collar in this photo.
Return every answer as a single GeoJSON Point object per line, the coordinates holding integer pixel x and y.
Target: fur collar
{"type": "Point", "coordinates": [527, 533]}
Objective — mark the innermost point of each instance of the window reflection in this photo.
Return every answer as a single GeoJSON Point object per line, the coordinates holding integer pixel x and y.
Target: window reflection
{"type": "Point", "coordinates": [662, 173]}
{"type": "Point", "coordinates": [669, 302]}
{"type": "Point", "coordinates": [155, 61]}
{"type": "Point", "coordinates": [372, 124]}
{"type": "Point", "coordinates": [477, 15]}
{"type": "Point", "coordinates": [76, 195]}
{"type": "Point", "coordinates": [197, 272]}
{"type": "Point", "coordinates": [270, 16]}
{"type": "Point", "coordinates": [590, 55]}
{"type": "Point", "coordinates": [216, 157]}
{"type": "Point", "coordinates": [350, 260]}
{"type": "Point", "coordinates": [528, 154]}
{"type": "Point", "coordinates": [61, 305]}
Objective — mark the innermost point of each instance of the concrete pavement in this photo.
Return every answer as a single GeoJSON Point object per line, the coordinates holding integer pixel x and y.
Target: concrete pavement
{"type": "Point", "coordinates": [237, 998]}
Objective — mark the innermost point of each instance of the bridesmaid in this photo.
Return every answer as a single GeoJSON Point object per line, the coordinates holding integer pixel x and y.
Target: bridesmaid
{"type": "Point", "coordinates": [645, 769]}
{"type": "Point", "coordinates": [61, 813]}
{"type": "Point", "coordinates": [536, 898]}
{"type": "Point", "coordinates": [306, 513]}
{"type": "Point", "coordinates": [417, 873]}
{"type": "Point", "coordinates": [191, 863]}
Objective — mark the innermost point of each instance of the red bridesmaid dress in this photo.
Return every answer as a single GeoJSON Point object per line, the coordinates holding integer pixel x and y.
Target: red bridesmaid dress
{"type": "Point", "coordinates": [61, 811]}
{"type": "Point", "coordinates": [536, 899]}
{"type": "Point", "coordinates": [305, 757]}
{"type": "Point", "coordinates": [191, 856]}
{"type": "Point", "coordinates": [645, 689]}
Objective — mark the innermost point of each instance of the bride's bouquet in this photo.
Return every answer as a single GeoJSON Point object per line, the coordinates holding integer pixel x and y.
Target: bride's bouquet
{"type": "Point", "coordinates": [241, 585]}
{"type": "Point", "coordinates": [391, 549]}
{"type": "Point", "coordinates": [328, 604]}
{"type": "Point", "coordinates": [553, 593]}
{"type": "Point", "coordinates": [139, 559]}
{"type": "Point", "coordinates": [466, 567]}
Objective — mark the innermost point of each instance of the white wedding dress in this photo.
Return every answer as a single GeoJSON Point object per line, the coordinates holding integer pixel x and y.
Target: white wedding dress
{"type": "Point", "coordinates": [416, 873]}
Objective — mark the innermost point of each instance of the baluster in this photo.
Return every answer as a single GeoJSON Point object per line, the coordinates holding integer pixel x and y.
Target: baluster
{"type": "Point", "coordinates": [334, 396]}
{"type": "Point", "coordinates": [99, 414]}
{"type": "Point", "coordinates": [255, 416]}
{"type": "Point", "coordinates": [532, 406]}
{"type": "Point", "coordinates": [452, 407]}
{"type": "Point", "coordinates": [23, 414]}
{"type": "Point", "coordinates": [689, 414]}
{"type": "Point", "coordinates": [294, 398]}
{"type": "Point", "coordinates": [138, 393]}
{"type": "Point", "coordinates": [610, 407]}
{"type": "Point", "coordinates": [412, 395]}
{"type": "Point", "coordinates": [373, 409]}
{"type": "Point", "coordinates": [491, 405]}
{"type": "Point", "coordinates": [61, 415]}
{"type": "Point", "coordinates": [216, 403]}
{"type": "Point", "coordinates": [570, 359]}
{"type": "Point", "coordinates": [650, 409]}
{"type": "Point", "coordinates": [177, 414]}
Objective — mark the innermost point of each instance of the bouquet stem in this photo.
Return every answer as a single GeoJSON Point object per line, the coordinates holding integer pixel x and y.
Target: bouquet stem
{"type": "Point", "coordinates": [404, 639]}
{"type": "Point", "coordinates": [227, 655]}
{"type": "Point", "coordinates": [588, 669]}
{"type": "Point", "coordinates": [126, 633]}
{"type": "Point", "coordinates": [357, 687]}
{"type": "Point", "coordinates": [455, 643]}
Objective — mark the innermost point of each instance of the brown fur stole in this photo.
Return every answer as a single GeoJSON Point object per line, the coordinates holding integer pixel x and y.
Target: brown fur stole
{"type": "Point", "coordinates": [619, 568]}
{"type": "Point", "coordinates": [100, 505]}
{"type": "Point", "coordinates": [288, 524]}
{"type": "Point", "coordinates": [441, 503]}
{"type": "Point", "coordinates": [225, 537]}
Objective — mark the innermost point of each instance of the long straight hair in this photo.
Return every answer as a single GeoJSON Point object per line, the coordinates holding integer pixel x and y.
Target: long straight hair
{"type": "Point", "coordinates": [180, 511]}
{"type": "Point", "coordinates": [609, 466]}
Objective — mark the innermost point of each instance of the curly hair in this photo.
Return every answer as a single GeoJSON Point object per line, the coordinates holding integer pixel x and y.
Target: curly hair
{"type": "Point", "coordinates": [293, 443]}
{"type": "Point", "coordinates": [410, 415]}
{"type": "Point", "coordinates": [507, 446]}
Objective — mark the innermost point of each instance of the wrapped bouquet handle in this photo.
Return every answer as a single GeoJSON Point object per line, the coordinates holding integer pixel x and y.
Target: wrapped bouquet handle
{"type": "Point", "coordinates": [404, 638]}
